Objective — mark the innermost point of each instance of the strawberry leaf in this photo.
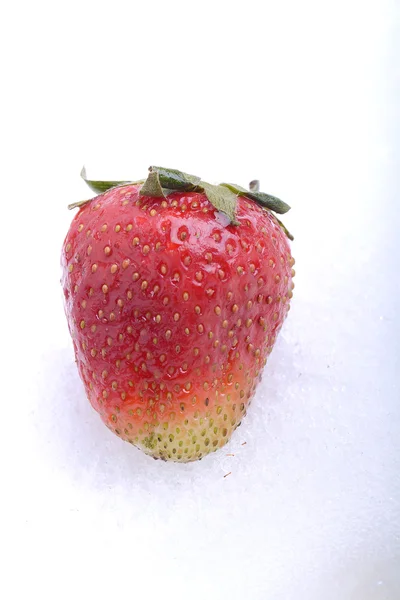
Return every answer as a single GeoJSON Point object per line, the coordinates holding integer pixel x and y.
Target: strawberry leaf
{"type": "Point", "coordinates": [288, 234]}
{"type": "Point", "coordinates": [102, 186]}
{"type": "Point", "coordinates": [269, 201]}
{"type": "Point", "coordinates": [223, 199]}
{"type": "Point", "coordinates": [176, 180]}
{"type": "Point", "coordinates": [237, 189]}
{"type": "Point", "coordinates": [152, 186]}
{"type": "Point", "coordinates": [79, 204]}
{"type": "Point", "coordinates": [265, 200]}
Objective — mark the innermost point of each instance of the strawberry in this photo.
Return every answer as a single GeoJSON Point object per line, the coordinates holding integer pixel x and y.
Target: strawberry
{"type": "Point", "coordinates": [175, 291]}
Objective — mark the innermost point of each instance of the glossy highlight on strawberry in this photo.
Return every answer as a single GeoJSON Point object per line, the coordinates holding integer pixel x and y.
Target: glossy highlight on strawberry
{"type": "Point", "coordinates": [173, 311]}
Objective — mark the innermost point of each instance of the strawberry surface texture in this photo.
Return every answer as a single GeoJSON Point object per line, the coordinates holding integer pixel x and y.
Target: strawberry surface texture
{"type": "Point", "coordinates": [174, 299]}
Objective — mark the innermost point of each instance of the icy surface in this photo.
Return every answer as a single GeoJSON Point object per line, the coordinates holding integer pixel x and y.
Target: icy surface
{"type": "Point", "coordinates": [304, 502]}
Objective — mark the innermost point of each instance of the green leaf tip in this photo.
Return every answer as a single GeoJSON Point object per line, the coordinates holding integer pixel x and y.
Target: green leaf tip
{"type": "Point", "coordinates": [266, 200]}
{"type": "Point", "coordinates": [287, 232]}
{"type": "Point", "coordinates": [78, 204]}
{"type": "Point", "coordinates": [102, 186]}
{"type": "Point", "coordinates": [152, 186]}
{"type": "Point", "coordinates": [223, 199]}
{"type": "Point", "coordinates": [172, 179]}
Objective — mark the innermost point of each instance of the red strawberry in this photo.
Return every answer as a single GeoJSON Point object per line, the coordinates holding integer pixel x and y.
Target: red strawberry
{"type": "Point", "coordinates": [173, 306]}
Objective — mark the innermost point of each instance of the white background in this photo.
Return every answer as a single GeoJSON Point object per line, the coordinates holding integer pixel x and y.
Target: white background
{"type": "Point", "coordinates": [303, 96]}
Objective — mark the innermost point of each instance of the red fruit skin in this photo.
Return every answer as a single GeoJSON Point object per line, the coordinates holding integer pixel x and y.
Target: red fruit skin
{"type": "Point", "coordinates": [173, 313]}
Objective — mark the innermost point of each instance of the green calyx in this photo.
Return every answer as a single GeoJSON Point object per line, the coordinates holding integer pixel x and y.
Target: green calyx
{"type": "Point", "coordinates": [99, 187]}
{"type": "Point", "coordinates": [102, 186]}
{"type": "Point", "coordinates": [266, 200]}
{"type": "Point", "coordinates": [161, 182]}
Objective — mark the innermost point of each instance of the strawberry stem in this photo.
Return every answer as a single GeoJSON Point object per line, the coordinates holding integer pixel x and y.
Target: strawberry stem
{"type": "Point", "coordinates": [254, 186]}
